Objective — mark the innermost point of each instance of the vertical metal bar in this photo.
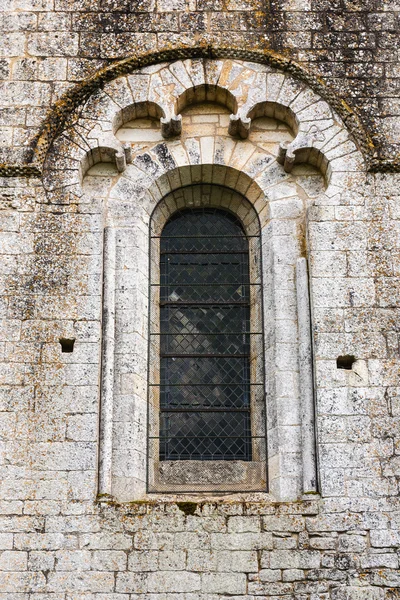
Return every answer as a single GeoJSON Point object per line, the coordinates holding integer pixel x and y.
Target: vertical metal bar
{"type": "Point", "coordinates": [306, 379]}
{"type": "Point", "coordinates": [107, 360]}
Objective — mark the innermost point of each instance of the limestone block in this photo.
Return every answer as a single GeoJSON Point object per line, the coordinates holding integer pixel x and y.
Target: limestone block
{"type": "Point", "coordinates": [283, 523]}
{"type": "Point", "coordinates": [243, 524]}
{"type": "Point", "coordinates": [306, 559]}
{"type": "Point", "coordinates": [82, 428]}
{"type": "Point", "coordinates": [172, 561]}
{"type": "Point", "coordinates": [241, 541]}
{"type": "Point", "coordinates": [371, 561]}
{"type": "Point", "coordinates": [263, 588]}
{"type": "Point", "coordinates": [223, 583]}
{"type": "Point", "coordinates": [68, 560]}
{"type": "Point", "coordinates": [22, 581]}
{"type": "Point", "coordinates": [143, 561]}
{"type": "Point", "coordinates": [238, 561]}
{"type": "Point", "coordinates": [13, 561]}
{"type": "Point", "coordinates": [41, 560]}
{"type": "Point", "coordinates": [108, 560]}
{"type": "Point", "coordinates": [173, 582]}
{"type": "Point", "coordinates": [192, 540]}
{"type": "Point", "coordinates": [42, 542]}
{"type": "Point", "coordinates": [89, 581]}
{"type": "Point", "coordinates": [293, 575]}
{"type": "Point", "coordinates": [352, 543]}
{"type": "Point", "coordinates": [385, 538]}
{"type": "Point", "coordinates": [135, 583]}
{"type": "Point", "coordinates": [357, 593]}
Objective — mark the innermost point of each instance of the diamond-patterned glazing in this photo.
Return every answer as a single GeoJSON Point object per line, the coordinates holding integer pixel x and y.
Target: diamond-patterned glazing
{"type": "Point", "coordinates": [196, 269]}
{"type": "Point", "coordinates": [206, 350]}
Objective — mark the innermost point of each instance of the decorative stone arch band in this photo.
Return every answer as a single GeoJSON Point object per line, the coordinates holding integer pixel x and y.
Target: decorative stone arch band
{"type": "Point", "coordinates": [71, 100]}
{"type": "Point", "coordinates": [254, 90]}
{"type": "Point", "coordinates": [263, 176]}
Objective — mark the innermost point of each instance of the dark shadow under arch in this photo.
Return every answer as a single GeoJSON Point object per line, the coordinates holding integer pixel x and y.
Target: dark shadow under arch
{"type": "Point", "coordinates": [206, 93]}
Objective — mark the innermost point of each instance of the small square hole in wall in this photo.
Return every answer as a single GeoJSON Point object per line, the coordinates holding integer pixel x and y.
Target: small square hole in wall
{"type": "Point", "coordinates": [345, 362]}
{"type": "Point", "coordinates": [67, 345]}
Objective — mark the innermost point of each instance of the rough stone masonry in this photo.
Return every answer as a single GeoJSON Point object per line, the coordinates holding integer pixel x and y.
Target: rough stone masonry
{"type": "Point", "coordinates": [114, 115]}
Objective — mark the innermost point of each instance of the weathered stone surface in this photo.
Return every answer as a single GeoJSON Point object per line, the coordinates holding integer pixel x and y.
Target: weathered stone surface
{"type": "Point", "coordinates": [59, 540]}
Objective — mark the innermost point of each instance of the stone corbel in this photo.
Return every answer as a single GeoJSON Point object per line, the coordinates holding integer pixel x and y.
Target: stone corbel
{"type": "Point", "coordinates": [171, 127]}
{"type": "Point", "coordinates": [120, 161]}
{"type": "Point", "coordinates": [123, 157]}
{"type": "Point", "coordinates": [109, 146]}
{"type": "Point", "coordinates": [239, 126]}
{"type": "Point", "coordinates": [128, 153]}
{"type": "Point", "coordinates": [303, 141]}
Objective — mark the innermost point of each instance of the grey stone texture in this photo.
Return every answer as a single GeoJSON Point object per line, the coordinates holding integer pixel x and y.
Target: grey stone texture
{"type": "Point", "coordinates": [48, 45]}
{"type": "Point", "coordinates": [76, 521]}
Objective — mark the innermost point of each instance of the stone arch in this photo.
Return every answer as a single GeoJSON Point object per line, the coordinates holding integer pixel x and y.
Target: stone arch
{"type": "Point", "coordinates": [137, 110]}
{"type": "Point", "coordinates": [274, 110]}
{"type": "Point", "coordinates": [206, 93]}
{"type": "Point", "coordinates": [321, 137]}
{"type": "Point", "coordinates": [72, 99]}
{"type": "Point", "coordinates": [211, 174]}
{"type": "Point", "coordinates": [229, 200]}
{"type": "Point", "coordinates": [103, 154]}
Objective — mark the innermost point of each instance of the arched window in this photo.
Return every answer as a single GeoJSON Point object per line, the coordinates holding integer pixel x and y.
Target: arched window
{"type": "Point", "coordinates": [207, 389]}
{"type": "Point", "coordinates": [205, 338]}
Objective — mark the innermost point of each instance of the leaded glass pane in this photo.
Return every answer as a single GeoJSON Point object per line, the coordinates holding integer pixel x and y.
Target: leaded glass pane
{"type": "Point", "coordinates": [204, 338]}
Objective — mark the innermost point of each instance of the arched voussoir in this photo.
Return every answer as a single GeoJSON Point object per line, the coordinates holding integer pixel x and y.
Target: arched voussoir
{"type": "Point", "coordinates": [321, 139]}
{"type": "Point", "coordinates": [137, 189]}
{"type": "Point", "coordinates": [205, 196]}
{"type": "Point", "coordinates": [58, 117]}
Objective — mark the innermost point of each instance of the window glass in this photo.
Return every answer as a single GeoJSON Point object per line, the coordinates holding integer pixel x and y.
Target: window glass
{"type": "Point", "coordinates": [204, 338]}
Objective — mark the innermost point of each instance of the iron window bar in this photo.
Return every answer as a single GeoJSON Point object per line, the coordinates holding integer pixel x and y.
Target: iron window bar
{"type": "Point", "coordinates": [202, 264]}
{"type": "Point", "coordinates": [224, 379]}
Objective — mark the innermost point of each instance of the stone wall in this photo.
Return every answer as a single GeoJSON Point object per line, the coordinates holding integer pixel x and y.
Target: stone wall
{"type": "Point", "coordinates": [208, 551]}
{"type": "Point", "coordinates": [49, 45]}
{"type": "Point", "coordinates": [60, 539]}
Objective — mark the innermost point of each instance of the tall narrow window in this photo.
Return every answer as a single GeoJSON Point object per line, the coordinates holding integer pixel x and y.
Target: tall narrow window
{"type": "Point", "coordinates": [206, 377]}
{"type": "Point", "coordinates": [205, 341]}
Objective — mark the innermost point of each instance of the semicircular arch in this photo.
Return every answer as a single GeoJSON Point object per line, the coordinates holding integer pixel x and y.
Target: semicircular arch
{"type": "Point", "coordinates": [64, 108]}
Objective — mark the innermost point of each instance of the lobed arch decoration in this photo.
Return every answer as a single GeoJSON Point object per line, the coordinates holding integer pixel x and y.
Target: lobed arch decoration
{"type": "Point", "coordinates": [206, 92]}
{"type": "Point", "coordinates": [253, 90]}
{"type": "Point", "coordinates": [137, 110]}
{"type": "Point", "coordinates": [179, 165]}
{"type": "Point", "coordinates": [59, 116]}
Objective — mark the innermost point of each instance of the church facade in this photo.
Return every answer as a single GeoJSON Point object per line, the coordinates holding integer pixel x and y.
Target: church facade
{"type": "Point", "coordinates": [200, 240]}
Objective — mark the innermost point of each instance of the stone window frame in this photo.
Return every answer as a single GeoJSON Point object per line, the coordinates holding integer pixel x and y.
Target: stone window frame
{"type": "Point", "coordinates": [321, 139]}
{"type": "Point", "coordinates": [284, 483]}
{"type": "Point", "coordinates": [212, 476]}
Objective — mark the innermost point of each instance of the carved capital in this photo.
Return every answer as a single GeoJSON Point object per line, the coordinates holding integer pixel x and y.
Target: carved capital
{"type": "Point", "coordinates": [239, 126]}
{"type": "Point", "coordinates": [171, 127]}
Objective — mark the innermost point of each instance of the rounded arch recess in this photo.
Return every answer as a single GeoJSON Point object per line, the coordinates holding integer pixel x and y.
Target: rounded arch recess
{"type": "Point", "coordinates": [132, 200]}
